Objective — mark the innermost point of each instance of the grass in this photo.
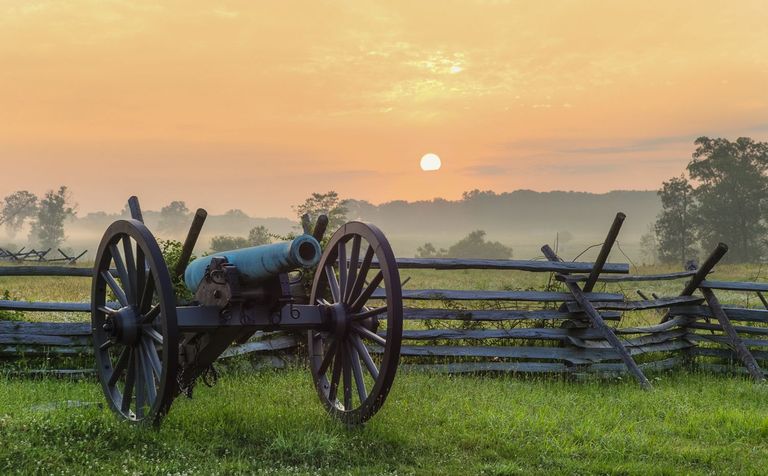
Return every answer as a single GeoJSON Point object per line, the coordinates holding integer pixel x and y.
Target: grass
{"type": "Point", "coordinates": [272, 423]}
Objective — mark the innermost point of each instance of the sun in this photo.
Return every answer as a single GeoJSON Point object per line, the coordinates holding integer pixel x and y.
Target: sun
{"type": "Point", "coordinates": [430, 162]}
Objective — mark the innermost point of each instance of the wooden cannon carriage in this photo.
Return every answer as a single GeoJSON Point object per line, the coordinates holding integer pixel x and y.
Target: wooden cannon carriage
{"type": "Point", "coordinates": [149, 349]}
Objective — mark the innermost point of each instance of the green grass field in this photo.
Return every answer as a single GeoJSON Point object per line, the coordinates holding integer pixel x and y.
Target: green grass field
{"type": "Point", "coordinates": [270, 422]}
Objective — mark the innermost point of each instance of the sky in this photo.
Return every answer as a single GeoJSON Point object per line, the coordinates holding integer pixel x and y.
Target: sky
{"type": "Point", "coordinates": [255, 105]}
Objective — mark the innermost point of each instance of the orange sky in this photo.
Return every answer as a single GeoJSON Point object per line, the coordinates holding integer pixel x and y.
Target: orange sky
{"type": "Point", "coordinates": [254, 105]}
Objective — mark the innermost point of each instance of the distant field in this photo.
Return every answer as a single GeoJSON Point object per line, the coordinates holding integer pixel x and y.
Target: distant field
{"type": "Point", "coordinates": [79, 289]}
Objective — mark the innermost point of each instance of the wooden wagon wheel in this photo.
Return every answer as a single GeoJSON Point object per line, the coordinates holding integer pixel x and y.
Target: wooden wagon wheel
{"type": "Point", "coordinates": [353, 365]}
{"type": "Point", "coordinates": [136, 338]}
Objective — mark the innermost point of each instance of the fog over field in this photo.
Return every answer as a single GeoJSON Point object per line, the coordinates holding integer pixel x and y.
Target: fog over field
{"type": "Point", "coordinates": [523, 220]}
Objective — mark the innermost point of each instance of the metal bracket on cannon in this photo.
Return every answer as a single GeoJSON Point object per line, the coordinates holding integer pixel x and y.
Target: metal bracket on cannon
{"type": "Point", "coordinates": [268, 304]}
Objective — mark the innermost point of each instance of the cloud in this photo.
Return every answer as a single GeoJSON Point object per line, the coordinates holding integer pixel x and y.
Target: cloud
{"type": "Point", "coordinates": [485, 169]}
{"type": "Point", "coordinates": [641, 145]}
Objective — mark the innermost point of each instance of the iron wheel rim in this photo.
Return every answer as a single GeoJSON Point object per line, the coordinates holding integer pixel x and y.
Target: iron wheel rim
{"type": "Point", "coordinates": [344, 348]}
{"type": "Point", "coordinates": [138, 376]}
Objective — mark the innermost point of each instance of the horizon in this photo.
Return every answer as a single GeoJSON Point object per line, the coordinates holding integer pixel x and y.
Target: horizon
{"type": "Point", "coordinates": [253, 106]}
{"type": "Point", "coordinates": [78, 214]}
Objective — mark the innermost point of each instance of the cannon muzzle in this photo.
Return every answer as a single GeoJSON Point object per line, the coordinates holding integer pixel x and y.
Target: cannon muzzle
{"type": "Point", "coordinates": [260, 262]}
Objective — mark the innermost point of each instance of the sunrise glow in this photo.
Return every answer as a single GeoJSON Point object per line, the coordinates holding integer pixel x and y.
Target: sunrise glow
{"type": "Point", "coordinates": [590, 96]}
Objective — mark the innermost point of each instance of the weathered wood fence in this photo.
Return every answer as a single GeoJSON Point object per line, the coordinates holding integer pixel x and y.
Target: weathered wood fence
{"type": "Point", "coordinates": [569, 328]}
{"type": "Point", "coordinates": [19, 338]}
{"type": "Point", "coordinates": [39, 256]}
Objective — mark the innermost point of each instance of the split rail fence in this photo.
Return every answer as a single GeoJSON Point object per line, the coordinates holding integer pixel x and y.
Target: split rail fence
{"type": "Point", "coordinates": [569, 329]}
{"type": "Point", "coordinates": [39, 256]}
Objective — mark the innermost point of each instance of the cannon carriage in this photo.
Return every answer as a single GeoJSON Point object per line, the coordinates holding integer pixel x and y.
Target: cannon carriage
{"type": "Point", "coordinates": [149, 349]}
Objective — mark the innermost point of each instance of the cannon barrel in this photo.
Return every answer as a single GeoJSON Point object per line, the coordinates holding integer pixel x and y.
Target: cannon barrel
{"type": "Point", "coordinates": [260, 262]}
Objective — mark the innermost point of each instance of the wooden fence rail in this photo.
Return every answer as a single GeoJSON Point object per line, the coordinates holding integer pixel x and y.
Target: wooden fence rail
{"type": "Point", "coordinates": [569, 328]}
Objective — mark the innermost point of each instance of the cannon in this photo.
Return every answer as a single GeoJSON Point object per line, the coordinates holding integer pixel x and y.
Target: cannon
{"type": "Point", "coordinates": [149, 348]}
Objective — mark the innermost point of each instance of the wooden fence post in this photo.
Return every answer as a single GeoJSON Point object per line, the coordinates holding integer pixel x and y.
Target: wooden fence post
{"type": "Point", "coordinates": [598, 323]}
{"type": "Point", "coordinates": [741, 350]}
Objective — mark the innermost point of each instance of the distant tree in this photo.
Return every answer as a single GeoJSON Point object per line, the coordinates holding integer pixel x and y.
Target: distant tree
{"type": "Point", "coordinates": [17, 208]}
{"type": "Point", "coordinates": [675, 224]}
{"type": "Point", "coordinates": [174, 216]}
{"type": "Point", "coordinates": [477, 194]}
{"type": "Point", "coordinates": [235, 213]}
{"type": "Point", "coordinates": [429, 251]}
{"type": "Point", "coordinates": [732, 194]}
{"type": "Point", "coordinates": [474, 245]}
{"type": "Point", "coordinates": [327, 203]}
{"type": "Point", "coordinates": [228, 243]}
{"type": "Point", "coordinates": [54, 208]}
{"type": "Point", "coordinates": [649, 247]}
{"type": "Point", "coordinates": [259, 235]}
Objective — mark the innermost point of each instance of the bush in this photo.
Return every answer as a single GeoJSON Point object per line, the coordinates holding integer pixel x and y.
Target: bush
{"type": "Point", "coordinates": [228, 243]}
{"type": "Point", "coordinates": [171, 250]}
{"type": "Point", "coordinates": [473, 245]}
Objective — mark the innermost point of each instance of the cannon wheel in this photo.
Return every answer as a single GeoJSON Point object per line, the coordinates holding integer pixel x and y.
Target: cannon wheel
{"type": "Point", "coordinates": [136, 338]}
{"type": "Point", "coordinates": [353, 364]}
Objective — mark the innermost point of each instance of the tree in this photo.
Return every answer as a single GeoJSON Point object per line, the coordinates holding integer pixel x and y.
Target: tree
{"type": "Point", "coordinates": [235, 213]}
{"type": "Point", "coordinates": [732, 194]}
{"type": "Point", "coordinates": [228, 243]}
{"type": "Point", "coordinates": [475, 246]}
{"type": "Point", "coordinates": [649, 247]}
{"type": "Point", "coordinates": [327, 203]}
{"type": "Point", "coordinates": [429, 251]}
{"type": "Point", "coordinates": [259, 235]}
{"type": "Point", "coordinates": [54, 208]}
{"type": "Point", "coordinates": [17, 208]}
{"type": "Point", "coordinates": [674, 225]}
{"type": "Point", "coordinates": [174, 216]}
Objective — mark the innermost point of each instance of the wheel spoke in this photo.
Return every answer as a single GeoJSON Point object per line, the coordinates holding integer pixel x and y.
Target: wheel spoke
{"type": "Point", "coordinates": [362, 273]}
{"type": "Point", "coordinates": [148, 372]}
{"type": "Point", "coordinates": [141, 273]}
{"type": "Point", "coordinates": [333, 283]}
{"type": "Point", "coordinates": [106, 345]}
{"type": "Point", "coordinates": [354, 259]}
{"type": "Point", "coordinates": [138, 365]}
{"type": "Point", "coordinates": [357, 372]}
{"type": "Point", "coordinates": [362, 351]}
{"type": "Point", "coordinates": [153, 334]}
{"type": "Point", "coordinates": [342, 247]}
{"type": "Point", "coordinates": [151, 315]}
{"type": "Point", "coordinates": [369, 313]}
{"type": "Point", "coordinates": [131, 270]}
{"type": "Point", "coordinates": [116, 289]}
{"type": "Point", "coordinates": [366, 294]}
{"type": "Point", "coordinates": [130, 378]}
{"type": "Point", "coordinates": [148, 291]}
{"type": "Point", "coordinates": [152, 357]}
{"type": "Point", "coordinates": [120, 365]}
{"type": "Point", "coordinates": [367, 333]}
{"type": "Point", "coordinates": [121, 271]}
{"type": "Point", "coordinates": [327, 358]}
{"type": "Point", "coordinates": [332, 392]}
{"type": "Point", "coordinates": [347, 369]}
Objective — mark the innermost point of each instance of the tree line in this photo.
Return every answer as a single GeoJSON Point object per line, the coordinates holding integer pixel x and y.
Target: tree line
{"type": "Point", "coordinates": [46, 214]}
{"type": "Point", "coordinates": [722, 197]}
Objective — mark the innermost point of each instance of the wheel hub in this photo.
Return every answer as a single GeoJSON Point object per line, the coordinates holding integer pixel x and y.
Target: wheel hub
{"type": "Point", "coordinates": [123, 326]}
{"type": "Point", "coordinates": [340, 319]}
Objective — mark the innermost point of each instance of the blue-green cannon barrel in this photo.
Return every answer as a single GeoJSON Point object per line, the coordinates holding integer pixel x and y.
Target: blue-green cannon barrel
{"type": "Point", "coordinates": [260, 262]}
